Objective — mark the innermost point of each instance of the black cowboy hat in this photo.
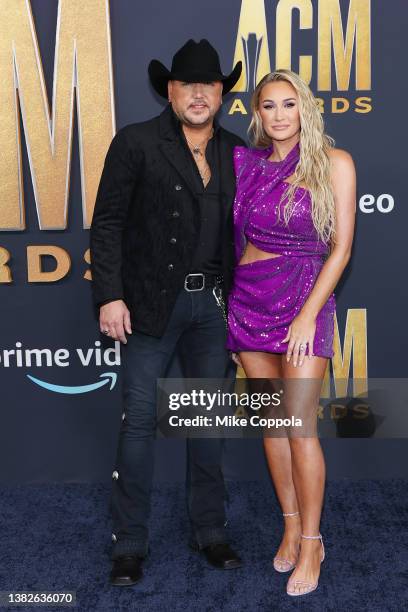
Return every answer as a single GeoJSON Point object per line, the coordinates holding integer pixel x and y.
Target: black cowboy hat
{"type": "Point", "coordinates": [193, 63]}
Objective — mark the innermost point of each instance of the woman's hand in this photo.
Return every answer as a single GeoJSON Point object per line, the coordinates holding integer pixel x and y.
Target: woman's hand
{"type": "Point", "coordinates": [300, 334]}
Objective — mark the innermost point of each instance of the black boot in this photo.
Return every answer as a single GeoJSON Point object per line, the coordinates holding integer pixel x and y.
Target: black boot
{"type": "Point", "coordinates": [220, 556]}
{"type": "Point", "coordinates": [126, 570]}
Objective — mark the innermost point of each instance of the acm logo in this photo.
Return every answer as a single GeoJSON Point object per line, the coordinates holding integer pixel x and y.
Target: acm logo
{"type": "Point", "coordinates": [335, 46]}
{"type": "Point", "coordinates": [324, 17]}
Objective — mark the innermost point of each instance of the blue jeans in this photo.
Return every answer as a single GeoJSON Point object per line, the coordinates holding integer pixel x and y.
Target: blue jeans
{"type": "Point", "coordinates": [196, 330]}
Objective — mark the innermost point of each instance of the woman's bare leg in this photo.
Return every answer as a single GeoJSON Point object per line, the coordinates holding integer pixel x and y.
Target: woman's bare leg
{"type": "Point", "coordinates": [278, 455]}
{"type": "Point", "coordinates": [308, 466]}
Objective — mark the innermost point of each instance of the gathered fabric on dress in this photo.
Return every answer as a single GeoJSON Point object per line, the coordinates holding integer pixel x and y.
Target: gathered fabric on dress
{"type": "Point", "coordinates": [267, 294]}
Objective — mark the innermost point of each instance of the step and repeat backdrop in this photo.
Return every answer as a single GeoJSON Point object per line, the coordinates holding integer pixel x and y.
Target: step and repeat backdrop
{"type": "Point", "coordinates": [72, 73]}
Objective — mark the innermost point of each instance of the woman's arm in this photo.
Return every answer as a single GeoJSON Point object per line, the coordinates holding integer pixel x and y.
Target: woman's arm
{"type": "Point", "coordinates": [302, 329]}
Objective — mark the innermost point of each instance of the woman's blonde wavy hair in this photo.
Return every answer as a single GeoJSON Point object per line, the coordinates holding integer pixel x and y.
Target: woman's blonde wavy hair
{"type": "Point", "coordinates": [313, 168]}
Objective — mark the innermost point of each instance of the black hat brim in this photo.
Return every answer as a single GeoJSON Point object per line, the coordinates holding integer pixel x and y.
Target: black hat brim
{"type": "Point", "coordinates": [160, 76]}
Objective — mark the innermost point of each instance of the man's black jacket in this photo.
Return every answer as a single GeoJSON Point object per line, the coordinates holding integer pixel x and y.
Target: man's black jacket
{"type": "Point", "coordinates": [141, 244]}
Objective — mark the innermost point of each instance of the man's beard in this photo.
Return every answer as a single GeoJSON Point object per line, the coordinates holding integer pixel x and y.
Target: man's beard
{"type": "Point", "coordinates": [197, 121]}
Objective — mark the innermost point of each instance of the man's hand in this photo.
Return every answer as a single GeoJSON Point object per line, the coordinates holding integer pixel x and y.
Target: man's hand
{"type": "Point", "coordinates": [114, 320]}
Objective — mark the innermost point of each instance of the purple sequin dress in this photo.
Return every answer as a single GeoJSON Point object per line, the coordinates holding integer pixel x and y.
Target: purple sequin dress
{"type": "Point", "coordinates": [267, 294]}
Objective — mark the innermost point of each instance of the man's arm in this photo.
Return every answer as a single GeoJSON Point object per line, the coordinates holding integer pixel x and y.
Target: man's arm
{"type": "Point", "coordinates": [114, 195]}
{"type": "Point", "coordinates": [119, 176]}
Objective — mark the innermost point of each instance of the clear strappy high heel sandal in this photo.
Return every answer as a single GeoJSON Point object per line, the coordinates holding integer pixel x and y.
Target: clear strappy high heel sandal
{"type": "Point", "coordinates": [280, 564]}
{"type": "Point", "coordinates": [309, 585]}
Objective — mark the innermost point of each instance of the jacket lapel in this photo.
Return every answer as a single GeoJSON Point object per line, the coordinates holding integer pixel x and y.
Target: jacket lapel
{"type": "Point", "coordinates": [175, 154]}
{"type": "Point", "coordinates": [173, 150]}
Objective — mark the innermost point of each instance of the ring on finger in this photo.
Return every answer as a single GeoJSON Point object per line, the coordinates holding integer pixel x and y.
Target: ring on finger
{"type": "Point", "coordinates": [106, 331]}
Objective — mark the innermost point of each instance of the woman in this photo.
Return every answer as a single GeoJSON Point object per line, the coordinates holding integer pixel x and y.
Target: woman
{"type": "Point", "coordinates": [294, 222]}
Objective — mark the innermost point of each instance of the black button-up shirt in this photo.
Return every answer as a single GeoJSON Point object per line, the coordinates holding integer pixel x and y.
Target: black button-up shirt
{"type": "Point", "coordinates": [207, 255]}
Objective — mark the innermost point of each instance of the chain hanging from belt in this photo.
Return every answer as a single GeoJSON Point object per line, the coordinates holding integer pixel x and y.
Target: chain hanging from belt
{"type": "Point", "coordinates": [217, 293]}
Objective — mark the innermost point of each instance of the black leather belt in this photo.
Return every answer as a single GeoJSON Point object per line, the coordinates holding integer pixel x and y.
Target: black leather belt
{"type": "Point", "coordinates": [198, 281]}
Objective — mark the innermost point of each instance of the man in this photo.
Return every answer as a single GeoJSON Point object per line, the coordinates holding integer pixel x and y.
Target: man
{"type": "Point", "coordinates": [161, 241]}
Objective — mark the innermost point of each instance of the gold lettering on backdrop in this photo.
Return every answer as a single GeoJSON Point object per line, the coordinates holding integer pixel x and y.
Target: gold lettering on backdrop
{"type": "Point", "coordinates": [5, 272]}
{"type": "Point", "coordinates": [338, 411]}
{"type": "Point", "coordinates": [237, 107]}
{"type": "Point", "coordinates": [284, 35]}
{"type": "Point", "coordinates": [35, 273]}
{"type": "Point", "coordinates": [252, 42]}
{"type": "Point", "coordinates": [87, 258]}
{"type": "Point", "coordinates": [254, 54]}
{"type": "Point", "coordinates": [363, 105]}
{"type": "Point", "coordinates": [320, 104]}
{"type": "Point", "coordinates": [354, 345]}
{"type": "Point", "coordinates": [358, 35]}
{"type": "Point", "coordinates": [82, 61]}
{"type": "Point", "coordinates": [340, 105]}
{"type": "Point", "coordinates": [361, 411]}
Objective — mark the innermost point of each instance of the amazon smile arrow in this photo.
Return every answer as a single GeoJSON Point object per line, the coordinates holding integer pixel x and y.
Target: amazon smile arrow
{"type": "Point", "coordinates": [112, 376]}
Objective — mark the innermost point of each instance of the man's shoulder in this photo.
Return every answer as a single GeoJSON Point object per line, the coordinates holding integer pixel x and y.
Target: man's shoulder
{"type": "Point", "coordinates": [134, 132]}
{"type": "Point", "coordinates": [233, 139]}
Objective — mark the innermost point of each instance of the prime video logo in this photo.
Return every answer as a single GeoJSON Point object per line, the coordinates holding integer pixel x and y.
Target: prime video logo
{"type": "Point", "coordinates": [20, 357]}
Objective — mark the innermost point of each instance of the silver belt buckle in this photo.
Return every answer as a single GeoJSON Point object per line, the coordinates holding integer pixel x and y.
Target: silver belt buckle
{"type": "Point", "coordinates": [194, 274]}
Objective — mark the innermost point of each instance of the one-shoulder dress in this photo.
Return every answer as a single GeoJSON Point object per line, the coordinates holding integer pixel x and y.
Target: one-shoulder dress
{"type": "Point", "coordinates": [267, 294]}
